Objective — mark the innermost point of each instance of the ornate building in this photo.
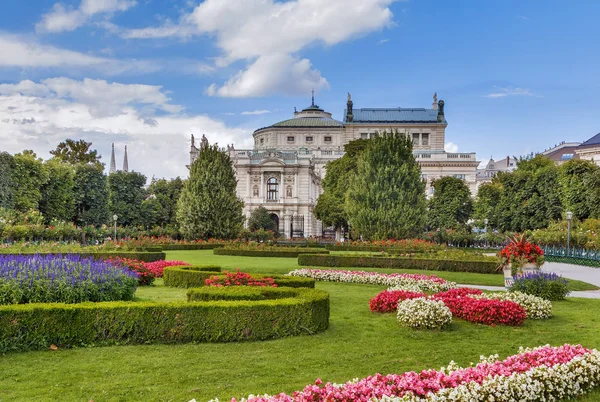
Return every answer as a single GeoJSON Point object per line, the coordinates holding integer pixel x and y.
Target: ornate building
{"type": "Point", "coordinates": [284, 170]}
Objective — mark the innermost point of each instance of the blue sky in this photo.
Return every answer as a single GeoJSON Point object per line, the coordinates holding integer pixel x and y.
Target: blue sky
{"type": "Point", "coordinates": [516, 76]}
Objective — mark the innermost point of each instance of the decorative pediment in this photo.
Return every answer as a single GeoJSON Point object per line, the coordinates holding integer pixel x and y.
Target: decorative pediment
{"type": "Point", "coordinates": [272, 161]}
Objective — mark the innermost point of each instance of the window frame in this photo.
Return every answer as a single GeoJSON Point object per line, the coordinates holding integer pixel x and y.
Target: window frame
{"type": "Point", "coordinates": [272, 189]}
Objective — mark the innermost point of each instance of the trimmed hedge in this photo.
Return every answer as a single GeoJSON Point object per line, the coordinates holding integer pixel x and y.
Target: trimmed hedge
{"type": "Point", "coordinates": [144, 256]}
{"type": "Point", "coordinates": [172, 247]}
{"type": "Point", "coordinates": [38, 326]}
{"type": "Point", "coordinates": [195, 276]}
{"type": "Point", "coordinates": [210, 293]}
{"type": "Point", "coordinates": [293, 253]}
{"type": "Point", "coordinates": [483, 267]}
{"type": "Point", "coordinates": [375, 249]}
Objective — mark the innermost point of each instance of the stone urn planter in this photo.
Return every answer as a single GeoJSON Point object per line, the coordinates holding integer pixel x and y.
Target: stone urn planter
{"type": "Point", "coordinates": [509, 280]}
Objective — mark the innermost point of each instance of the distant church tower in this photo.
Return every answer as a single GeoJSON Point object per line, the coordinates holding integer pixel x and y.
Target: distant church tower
{"type": "Point", "coordinates": [125, 163]}
{"type": "Point", "coordinates": [113, 167]}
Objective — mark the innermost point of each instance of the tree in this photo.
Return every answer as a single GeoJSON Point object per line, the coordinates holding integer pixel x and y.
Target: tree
{"type": "Point", "coordinates": [125, 196]}
{"type": "Point", "coordinates": [29, 176]}
{"type": "Point", "coordinates": [91, 195]}
{"type": "Point", "coordinates": [330, 206]}
{"type": "Point", "coordinates": [151, 212]}
{"type": "Point", "coordinates": [74, 152]}
{"type": "Point", "coordinates": [260, 218]}
{"type": "Point", "coordinates": [167, 194]}
{"type": "Point", "coordinates": [7, 167]}
{"type": "Point", "coordinates": [574, 191]}
{"type": "Point", "coordinates": [58, 193]}
{"type": "Point", "coordinates": [451, 205]}
{"type": "Point", "coordinates": [208, 205]}
{"type": "Point", "coordinates": [386, 197]}
{"type": "Point", "coordinates": [486, 204]}
{"type": "Point", "coordinates": [592, 182]}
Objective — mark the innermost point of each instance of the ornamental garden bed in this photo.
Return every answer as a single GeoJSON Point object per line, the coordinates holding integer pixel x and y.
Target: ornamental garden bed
{"type": "Point", "coordinates": [196, 276]}
{"type": "Point", "coordinates": [488, 266]}
{"type": "Point", "coordinates": [268, 251]}
{"type": "Point", "coordinates": [144, 256]}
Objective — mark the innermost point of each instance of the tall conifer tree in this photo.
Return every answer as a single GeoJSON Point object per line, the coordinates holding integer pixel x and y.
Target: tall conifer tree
{"type": "Point", "coordinates": [386, 197]}
{"type": "Point", "coordinates": [208, 205]}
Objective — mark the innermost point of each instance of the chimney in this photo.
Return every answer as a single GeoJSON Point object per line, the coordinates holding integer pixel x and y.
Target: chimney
{"type": "Point", "coordinates": [440, 116]}
{"type": "Point", "coordinates": [349, 115]}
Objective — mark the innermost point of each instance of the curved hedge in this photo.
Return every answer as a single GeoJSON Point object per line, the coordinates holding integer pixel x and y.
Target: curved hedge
{"type": "Point", "coordinates": [291, 253]}
{"type": "Point", "coordinates": [483, 267]}
{"type": "Point", "coordinates": [144, 256]}
{"type": "Point", "coordinates": [38, 326]}
{"type": "Point", "coordinates": [194, 276]}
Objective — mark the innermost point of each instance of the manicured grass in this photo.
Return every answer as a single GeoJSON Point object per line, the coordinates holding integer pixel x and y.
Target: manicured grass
{"type": "Point", "coordinates": [284, 265]}
{"type": "Point", "coordinates": [358, 343]}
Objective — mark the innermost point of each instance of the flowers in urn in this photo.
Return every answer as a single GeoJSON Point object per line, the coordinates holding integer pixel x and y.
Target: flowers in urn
{"type": "Point", "coordinates": [519, 253]}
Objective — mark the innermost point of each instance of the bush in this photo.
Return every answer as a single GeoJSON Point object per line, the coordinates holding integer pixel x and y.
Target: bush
{"type": "Point", "coordinates": [387, 301]}
{"type": "Point", "coordinates": [273, 251]}
{"type": "Point", "coordinates": [72, 279]}
{"type": "Point", "coordinates": [37, 326]}
{"type": "Point", "coordinates": [483, 267]}
{"type": "Point", "coordinates": [157, 268]}
{"type": "Point", "coordinates": [548, 286]}
{"type": "Point", "coordinates": [143, 256]}
{"type": "Point", "coordinates": [535, 307]}
{"type": "Point", "coordinates": [204, 246]}
{"type": "Point", "coordinates": [145, 276]}
{"type": "Point", "coordinates": [422, 313]}
{"type": "Point", "coordinates": [209, 293]}
{"type": "Point", "coordinates": [195, 276]}
{"type": "Point", "coordinates": [238, 278]}
{"type": "Point", "coordinates": [390, 246]}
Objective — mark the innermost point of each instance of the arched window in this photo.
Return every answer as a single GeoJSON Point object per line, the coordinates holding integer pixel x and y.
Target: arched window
{"type": "Point", "coordinates": [272, 189]}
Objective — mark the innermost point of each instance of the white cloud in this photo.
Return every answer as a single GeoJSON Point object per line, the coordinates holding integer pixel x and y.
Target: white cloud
{"type": "Point", "coordinates": [503, 92]}
{"type": "Point", "coordinates": [16, 51]}
{"type": "Point", "coordinates": [269, 74]}
{"type": "Point", "coordinates": [450, 147]}
{"type": "Point", "coordinates": [270, 33]}
{"type": "Point", "coordinates": [62, 18]}
{"type": "Point", "coordinates": [255, 112]}
{"type": "Point", "coordinates": [382, 41]}
{"type": "Point", "coordinates": [39, 115]}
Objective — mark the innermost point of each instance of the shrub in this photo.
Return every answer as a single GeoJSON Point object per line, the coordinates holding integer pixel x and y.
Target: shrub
{"type": "Point", "coordinates": [422, 313]}
{"type": "Point", "coordinates": [145, 276]}
{"type": "Point", "coordinates": [548, 286]}
{"type": "Point", "coordinates": [238, 278]}
{"type": "Point", "coordinates": [157, 267]}
{"type": "Point", "coordinates": [209, 293]}
{"type": "Point", "coordinates": [485, 267]}
{"type": "Point", "coordinates": [387, 301]}
{"type": "Point", "coordinates": [268, 251]}
{"type": "Point", "coordinates": [37, 326]}
{"type": "Point", "coordinates": [535, 307]}
{"type": "Point", "coordinates": [67, 279]}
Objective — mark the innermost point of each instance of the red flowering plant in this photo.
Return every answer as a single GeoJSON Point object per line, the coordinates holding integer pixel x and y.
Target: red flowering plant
{"type": "Point", "coordinates": [519, 252]}
{"type": "Point", "coordinates": [145, 276]}
{"type": "Point", "coordinates": [387, 301]}
{"type": "Point", "coordinates": [238, 278]}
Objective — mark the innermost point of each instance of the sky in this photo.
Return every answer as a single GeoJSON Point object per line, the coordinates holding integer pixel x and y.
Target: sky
{"type": "Point", "coordinates": [516, 76]}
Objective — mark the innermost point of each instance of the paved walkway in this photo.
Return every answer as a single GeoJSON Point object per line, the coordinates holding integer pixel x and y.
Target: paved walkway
{"type": "Point", "coordinates": [578, 272]}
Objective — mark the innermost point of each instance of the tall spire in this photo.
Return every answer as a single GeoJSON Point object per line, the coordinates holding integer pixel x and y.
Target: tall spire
{"type": "Point", "coordinates": [113, 166]}
{"type": "Point", "coordinates": [125, 163]}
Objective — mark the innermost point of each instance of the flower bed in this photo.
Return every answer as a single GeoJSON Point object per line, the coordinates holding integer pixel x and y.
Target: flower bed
{"type": "Point", "coordinates": [549, 286]}
{"type": "Point", "coordinates": [238, 278]}
{"type": "Point", "coordinates": [423, 313]}
{"type": "Point", "coordinates": [552, 372]}
{"type": "Point", "coordinates": [482, 311]}
{"type": "Point", "coordinates": [253, 250]}
{"type": "Point", "coordinates": [535, 307]}
{"type": "Point", "coordinates": [67, 279]}
{"type": "Point", "coordinates": [412, 282]}
{"type": "Point", "coordinates": [157, 267]}
{"type": "Point", "coordinates": [396, 246]}
{"type": "Point", "coordinates": [387, 301]}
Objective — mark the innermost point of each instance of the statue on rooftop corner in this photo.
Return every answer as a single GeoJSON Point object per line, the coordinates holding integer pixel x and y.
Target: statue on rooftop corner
{"type": "Point", "coordinates": [349, 97]}
{"type": "Point", "coordinates": [204, 141]}
{"type": "Point", "coordinates": [435, 97]}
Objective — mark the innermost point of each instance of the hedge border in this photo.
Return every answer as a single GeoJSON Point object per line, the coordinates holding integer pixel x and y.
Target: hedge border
{"type": "Point", "coordinates": [483, 267]}
{"type": "Point", "coordinates": [194, 276]}
{"type": "Point", "coordinates": [38, 326]}
{"type": "Point", "coordinates": [144, 256]}
{"type": "Point", "coordinates": [375, 249]}
{"type": "Point", "coordinates": [173, 247]}
{"type": "Point", "coordinates": [265, 253]}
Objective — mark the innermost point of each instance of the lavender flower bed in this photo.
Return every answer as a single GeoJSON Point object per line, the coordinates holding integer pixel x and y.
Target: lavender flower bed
{"type": "Point", "coordinates": [64, 279]}
{"type": "Point", "coordinates": [548, 286]}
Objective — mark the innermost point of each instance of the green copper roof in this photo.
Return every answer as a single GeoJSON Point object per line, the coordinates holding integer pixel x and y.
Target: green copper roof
{"type": "Point", "coordinates": [306, 122]}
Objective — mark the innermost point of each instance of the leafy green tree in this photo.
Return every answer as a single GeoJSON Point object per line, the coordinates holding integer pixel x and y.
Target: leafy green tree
{"type": "Point", "coordinates": [58, 193]}
{"type": "Point", "coordinates": [91, 195]}
{"type": "Point", "coordinates": [208, 205]}
{"type": "Point", "coordinates": [7, 167]}
{"type": "Point", "coordinates": [260, 218]}
{"type": "Point", "coordinates": [75, 152]}
{"type": "Point", "coordinates": [29, 176]}
{"type": "Point", "coordinates": [451, 205]}
{"type": "Point", "coordinates": [575, 193]}
{"type": "Point", "coordinates": [330, 208]}
{"type": "Point", "coordinates": [592, 182]}
{"type": "Point", "coordinates": [486, 204]}
{"type": "Point", "coordinates": [151, 212]}
{"type": "Point", "coordinates": [167, 193]}
{"type": "Point", "coordinates": [386, 197]}
{"type": "Point", "coordinates": [125, 196]}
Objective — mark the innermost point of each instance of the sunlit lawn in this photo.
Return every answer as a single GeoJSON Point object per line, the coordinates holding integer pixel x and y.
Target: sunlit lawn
{"type": "Point", "coordinates": [358, 343]}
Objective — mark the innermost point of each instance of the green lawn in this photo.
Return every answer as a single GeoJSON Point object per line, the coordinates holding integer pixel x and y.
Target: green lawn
{"type": "Point", "coordinates": [358, 343]}
{"type": "Point", "coordinates": [285, 265]}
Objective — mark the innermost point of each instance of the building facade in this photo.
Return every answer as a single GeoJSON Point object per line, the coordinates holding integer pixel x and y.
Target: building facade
{"type": "Point", "coordinates": [284, 170]}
